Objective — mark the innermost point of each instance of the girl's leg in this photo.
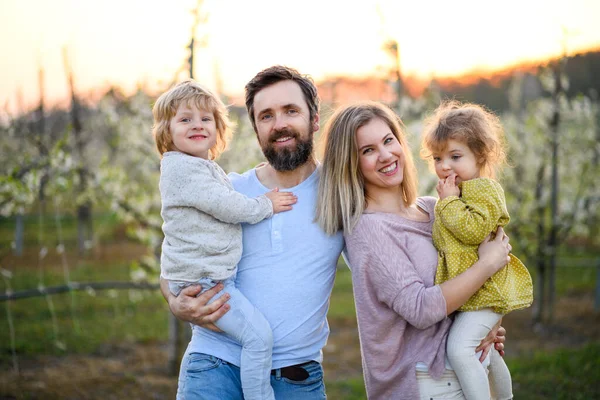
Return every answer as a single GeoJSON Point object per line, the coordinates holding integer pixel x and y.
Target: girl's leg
{"type": "Point", "coordinates": [245, 324]}
{"type": "Point", "coordinates": [500, 380]}
{"type": "Point", "coordinates": [467, 331]}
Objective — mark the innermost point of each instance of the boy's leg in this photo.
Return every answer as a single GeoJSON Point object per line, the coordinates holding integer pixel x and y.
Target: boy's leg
{"type": "Point", "coordinates": [500, 380]}
{"type": "Point", "coordinates": [246, 324]}
{"type": "Point", "coordinates": [466, 332]}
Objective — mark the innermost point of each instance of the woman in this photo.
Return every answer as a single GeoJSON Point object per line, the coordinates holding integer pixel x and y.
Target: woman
{"type": "Point", "coordinates": [368, 189]}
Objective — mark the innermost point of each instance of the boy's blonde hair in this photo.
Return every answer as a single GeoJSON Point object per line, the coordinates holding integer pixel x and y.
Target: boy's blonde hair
{"type": "Point", "coordinates": [471, 124]}
{"type": "Point", "coordinates": [342, 198]}
{"type": "Point", "coordinates": [192, 93]}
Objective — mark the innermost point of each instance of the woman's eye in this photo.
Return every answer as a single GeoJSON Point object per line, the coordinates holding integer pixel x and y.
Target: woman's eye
{"type": "Point", "coordinates": [388, 140]}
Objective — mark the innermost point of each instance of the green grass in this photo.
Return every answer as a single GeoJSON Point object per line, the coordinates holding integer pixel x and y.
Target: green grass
{"type": "Point", "coordinates": [349, 389]}
{"type": "Point", "coordinates": [83, 320]}
{"type": "Point", "coordinates": [562, 374]}
{"type": "Point", "coordinates": [342, 298]}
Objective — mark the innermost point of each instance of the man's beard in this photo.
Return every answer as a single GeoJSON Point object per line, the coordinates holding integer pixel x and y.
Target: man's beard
{"type": "Point", "coordinates": [288, 159]}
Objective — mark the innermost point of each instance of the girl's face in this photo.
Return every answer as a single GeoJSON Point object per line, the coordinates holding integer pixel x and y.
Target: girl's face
{"type": "Point", "coordinates": [458, 159]}
{"type": "Point", "coordinates": [194, 131]}
{"type": "Point", "coordinates": [380, 155]}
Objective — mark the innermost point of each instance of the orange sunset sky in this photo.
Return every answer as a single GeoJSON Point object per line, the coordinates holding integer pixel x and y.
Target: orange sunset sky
{"type": "Point", "coordinates": [132, 42]}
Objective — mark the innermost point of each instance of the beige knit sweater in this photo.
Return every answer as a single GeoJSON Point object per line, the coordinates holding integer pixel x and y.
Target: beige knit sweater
{"type": "Point", "coordinates": [202, 215]}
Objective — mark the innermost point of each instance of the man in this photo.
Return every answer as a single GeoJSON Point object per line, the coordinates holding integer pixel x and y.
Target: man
{"type": "Point", "coordinates": [288, 264]}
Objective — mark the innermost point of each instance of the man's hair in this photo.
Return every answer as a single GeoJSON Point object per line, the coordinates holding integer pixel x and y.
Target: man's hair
{"type": "Point", "coordinates": [278, 73]}
{"type": "Point", "coordinates": [192, 93]}
{"type": "Point", "coordinates": [342, 198]}
{"type": "Point", "coordinates": [470, 124]}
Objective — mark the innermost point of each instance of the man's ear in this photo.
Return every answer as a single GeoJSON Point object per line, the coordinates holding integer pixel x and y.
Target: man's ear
{"type": "Point", "coordinates": [316, 123]}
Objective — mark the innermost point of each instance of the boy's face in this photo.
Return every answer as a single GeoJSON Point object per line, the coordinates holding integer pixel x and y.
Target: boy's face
{"type": "Point", "coordinates": [194, 131]}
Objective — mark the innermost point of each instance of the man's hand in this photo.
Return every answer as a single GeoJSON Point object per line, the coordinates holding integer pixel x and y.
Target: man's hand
{"type": "Point", "coordinates": [496, 336]}
{"type": "Point", "coordinates": [190, 307]}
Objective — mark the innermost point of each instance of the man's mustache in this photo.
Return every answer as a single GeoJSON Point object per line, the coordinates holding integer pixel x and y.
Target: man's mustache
{"type": "Point", "coordinates": [283, 133]}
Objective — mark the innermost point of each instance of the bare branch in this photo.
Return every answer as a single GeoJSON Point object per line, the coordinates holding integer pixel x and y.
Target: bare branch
{"type": "Point", "coordinates": [77, 286]}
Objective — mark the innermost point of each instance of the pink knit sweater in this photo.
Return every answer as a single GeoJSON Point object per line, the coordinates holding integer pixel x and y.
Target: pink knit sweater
{"type": "Point", "coordinates": [401, 314]}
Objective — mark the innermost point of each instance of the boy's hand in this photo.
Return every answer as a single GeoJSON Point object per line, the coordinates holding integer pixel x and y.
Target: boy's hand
{"type": "Point", "coordinates": [282, 201]}
{"type": "Point", "coordinates": [447, 187]}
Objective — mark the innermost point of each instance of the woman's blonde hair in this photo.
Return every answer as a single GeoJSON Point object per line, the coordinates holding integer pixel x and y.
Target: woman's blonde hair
{"type": "Point", "coordinates": [342, 198]}
{"type": "Point", "coordinates": [471, 124]}
{"type": "Point", "coordinates": [192, 93]}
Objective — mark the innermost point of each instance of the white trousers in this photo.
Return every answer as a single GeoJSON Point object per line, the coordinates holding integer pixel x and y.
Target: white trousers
{"type": "Point", "coordinates": [445, 388]}
{"type": "Point", "coordinates": [466, 332]}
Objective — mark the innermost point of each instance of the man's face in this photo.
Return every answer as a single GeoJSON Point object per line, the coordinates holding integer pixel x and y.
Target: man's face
{"type": "Point", "coordinates": [284, 129]}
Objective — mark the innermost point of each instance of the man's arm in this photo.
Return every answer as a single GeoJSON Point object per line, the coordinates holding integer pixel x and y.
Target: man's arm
{"type": "Point", "coordinates": [190, 307]}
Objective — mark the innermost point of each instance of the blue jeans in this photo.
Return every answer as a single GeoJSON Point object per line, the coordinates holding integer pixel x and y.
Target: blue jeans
{"type": "Point", "coordinates": [209, 378]}
{"type": "Point", "coordinates": [245, 324]}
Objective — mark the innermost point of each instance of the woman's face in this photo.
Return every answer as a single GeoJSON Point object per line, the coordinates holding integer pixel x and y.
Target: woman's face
{"type": "Point", "coordinates": [380, 155]}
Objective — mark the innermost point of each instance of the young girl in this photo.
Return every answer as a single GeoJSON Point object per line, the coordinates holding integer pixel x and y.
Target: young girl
{"type": "Point", "coordinates": [202, 215]}
{"type": "Point", "coordinates": [465, 144]}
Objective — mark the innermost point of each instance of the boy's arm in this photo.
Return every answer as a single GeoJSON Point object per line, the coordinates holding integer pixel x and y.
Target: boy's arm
{"type": "Point", "coordinates": [471, 217]}
{"type": "Point", "coordinates": [192, 184]}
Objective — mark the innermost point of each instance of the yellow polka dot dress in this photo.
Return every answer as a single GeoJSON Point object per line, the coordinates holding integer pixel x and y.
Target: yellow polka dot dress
{"type": "Point", "coordinates": [461, 224]}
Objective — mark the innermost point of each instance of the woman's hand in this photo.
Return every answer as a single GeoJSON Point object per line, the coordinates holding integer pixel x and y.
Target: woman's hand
{"type": "Point", "coordinates": [190, 307]}
{"type": "Point", "coordinates": [494, 253]}
{"type": "Point", "coordinates": [497, 337]}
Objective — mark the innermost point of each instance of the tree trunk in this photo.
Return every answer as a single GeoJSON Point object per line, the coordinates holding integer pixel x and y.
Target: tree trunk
{"type": "Point", "coordinates": [552, 239]}
{"type": "Point", "coordinates": [84, 227]}
{"type": "Point", "coordinates": [19, 233]}
{"type": "Point", "coordinates": [173, 346]}
{"type": "Point", "coordinates": [540, 282]}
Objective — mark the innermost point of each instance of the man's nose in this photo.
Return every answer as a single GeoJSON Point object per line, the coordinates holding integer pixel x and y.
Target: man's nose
{"type": "Point", "coordinates": [280, 122]}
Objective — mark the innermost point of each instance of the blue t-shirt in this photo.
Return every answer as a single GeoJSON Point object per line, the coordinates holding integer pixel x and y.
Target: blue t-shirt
{"type": "Point", "coordinates": [287, 271]}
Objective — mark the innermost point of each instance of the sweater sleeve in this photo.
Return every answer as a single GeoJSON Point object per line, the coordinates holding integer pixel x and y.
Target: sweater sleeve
{"type": "Point", "coordinates": [474, 215]}
{"type": "Point", "coordinates": [393, 278]}
{"type": "Point", "coordinates": [187, 183]}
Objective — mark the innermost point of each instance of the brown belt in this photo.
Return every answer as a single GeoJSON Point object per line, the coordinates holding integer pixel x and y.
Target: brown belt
{"type": "Point", "coordinates": [294, 372]}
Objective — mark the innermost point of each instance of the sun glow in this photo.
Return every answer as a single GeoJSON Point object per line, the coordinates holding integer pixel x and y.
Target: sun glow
{"type": "Point", "coordinates": [134, 42]}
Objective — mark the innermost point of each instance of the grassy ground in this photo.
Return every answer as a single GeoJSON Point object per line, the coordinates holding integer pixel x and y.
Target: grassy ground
{"type": "Point", "coordinates": [562, 374]}
{"type": "Point", "coordinates": [112, 344]}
